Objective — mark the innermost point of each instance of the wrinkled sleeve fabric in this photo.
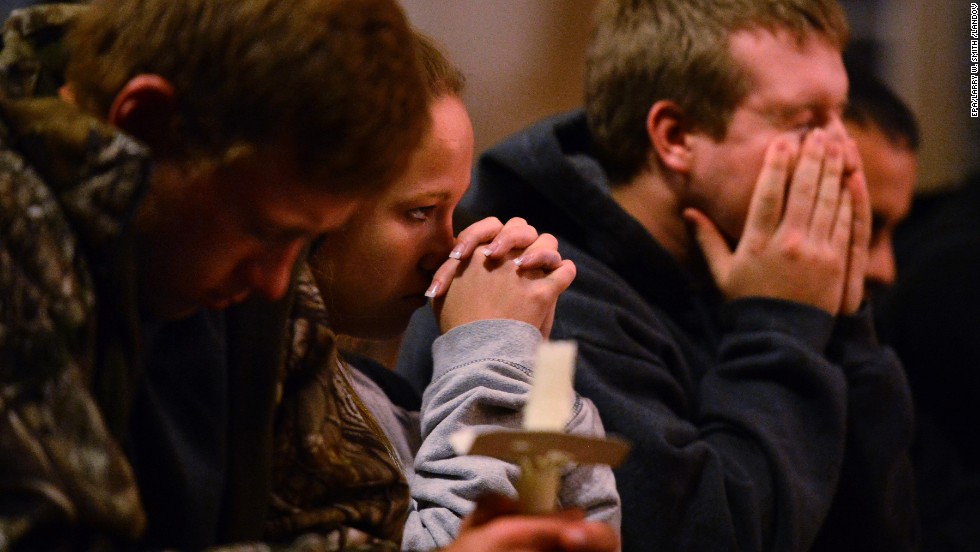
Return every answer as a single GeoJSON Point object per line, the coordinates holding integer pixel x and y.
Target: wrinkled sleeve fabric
{"type": "Point", "coordinates": [482, 373]}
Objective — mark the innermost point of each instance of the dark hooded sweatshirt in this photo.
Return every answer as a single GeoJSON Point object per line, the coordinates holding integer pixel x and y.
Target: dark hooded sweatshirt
{"type": "Point", "coordinates": [756, 424]}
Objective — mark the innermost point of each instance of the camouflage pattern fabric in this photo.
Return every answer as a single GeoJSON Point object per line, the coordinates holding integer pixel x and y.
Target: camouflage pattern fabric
{"type": "Point", "coordinates": [58, 456]}
{"type": "Point", "coordinates": [68, 184]}
{"type": "Point", "coordinates": [333, 467]}
{"type": "Point", "coordinates": [33, 58]}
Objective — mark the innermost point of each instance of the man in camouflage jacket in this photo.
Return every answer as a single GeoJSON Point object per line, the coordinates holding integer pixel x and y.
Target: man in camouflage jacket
{"type": "Point", "coordinates": [70, 335]}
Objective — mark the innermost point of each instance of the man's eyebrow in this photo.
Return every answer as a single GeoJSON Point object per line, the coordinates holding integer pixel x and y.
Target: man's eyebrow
{"type": "Point", "coordinates": [786, 112]}
{"type": "Point", "coordinates": [296, 232]}
{"type": "Point", "coordinates": [786, 109]}
{"type": "Point", "coordinates": [272, 230]}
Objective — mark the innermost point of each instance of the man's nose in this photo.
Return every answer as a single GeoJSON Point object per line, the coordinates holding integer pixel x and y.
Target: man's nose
{"type": "Point", "coordinates": [270, 273]}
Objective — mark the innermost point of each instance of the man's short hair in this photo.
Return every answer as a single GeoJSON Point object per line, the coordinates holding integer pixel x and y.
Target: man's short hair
{"type": "Point", "coordinates": [643, 51]}
{"type": "Point", "coordinates": [335, 82]}
{"type": "Point", "coordinates": [871, 102]}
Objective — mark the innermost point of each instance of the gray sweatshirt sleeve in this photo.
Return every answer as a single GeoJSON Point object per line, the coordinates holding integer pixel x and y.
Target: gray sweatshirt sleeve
{"type": "Point", "coordinates": [482, 373]}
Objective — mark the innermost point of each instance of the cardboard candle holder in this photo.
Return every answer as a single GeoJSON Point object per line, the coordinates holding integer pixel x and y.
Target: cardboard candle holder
{"type": "Point", "coordinates": [542, 449]}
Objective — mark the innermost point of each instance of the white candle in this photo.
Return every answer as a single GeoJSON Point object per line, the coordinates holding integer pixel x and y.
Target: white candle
{"type": "Point", "coordinates": [549, 402]}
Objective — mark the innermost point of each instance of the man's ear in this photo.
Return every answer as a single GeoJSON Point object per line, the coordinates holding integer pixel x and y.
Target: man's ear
{"type": "Point", "coordinates": [145, 108]}
{"type": "Point", "coordinates": [668, 130]}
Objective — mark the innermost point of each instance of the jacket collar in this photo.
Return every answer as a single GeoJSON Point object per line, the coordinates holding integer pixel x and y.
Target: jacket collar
{"type": "Point", "coordinates": [96, 173]}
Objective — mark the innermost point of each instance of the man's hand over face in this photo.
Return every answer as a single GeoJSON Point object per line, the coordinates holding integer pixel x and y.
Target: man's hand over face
{"type": "Point", "coordinates": [860, 229]}
{"type": "Point", "coordinates": [806, 232]}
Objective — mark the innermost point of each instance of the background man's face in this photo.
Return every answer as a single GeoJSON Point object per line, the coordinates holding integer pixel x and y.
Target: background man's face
{"type": "Point", "coordinates": [890, 171]}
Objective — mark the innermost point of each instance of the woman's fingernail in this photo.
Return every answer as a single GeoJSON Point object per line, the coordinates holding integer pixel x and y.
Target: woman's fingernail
{"type": "Point", "coordinates": [487, 251]}
{"type": "Point", "coordinates": [457, 252]}
{"type": "Point", "coordinates": [431, 292]}
{"type": "Point", "coordinates": [519, 261]}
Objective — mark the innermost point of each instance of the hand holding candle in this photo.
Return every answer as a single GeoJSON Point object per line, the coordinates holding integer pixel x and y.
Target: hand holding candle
{"type": "Point", "coordinates": [542, 449]}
